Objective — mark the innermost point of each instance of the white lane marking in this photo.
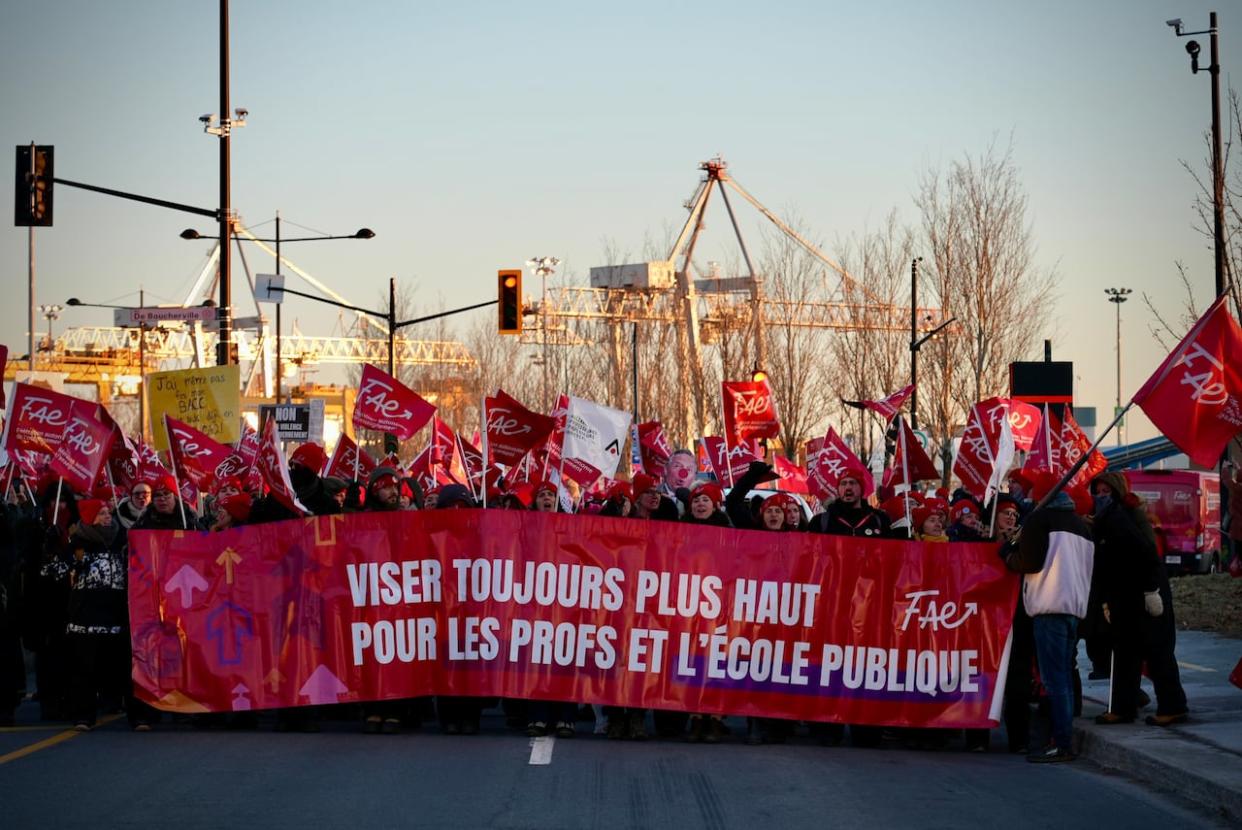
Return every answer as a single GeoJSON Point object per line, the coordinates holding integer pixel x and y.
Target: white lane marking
{"type": "Point", "coordinates": [1195, 667]}
{"type": "Point", "coordinates": [541, 750]}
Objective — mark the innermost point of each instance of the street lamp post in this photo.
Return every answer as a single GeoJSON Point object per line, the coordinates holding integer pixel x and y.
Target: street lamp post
{"type": "Point", "coordinates": [1218, 174]}
{"type": "Point", "coordinates": [50, 313]}
{"type": "Point", "coordinates": [361, 233]}
{"type": "Point", "coordinates": [1117, 296]}
{"type": "Point", "coordinates": [543, 267]}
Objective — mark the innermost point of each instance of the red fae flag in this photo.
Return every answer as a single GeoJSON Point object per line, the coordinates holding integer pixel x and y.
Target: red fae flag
{"type": "Point", "coordinates": [833, 458]}
{"type": "Point", "coordinates": [653, 447]}
{"type": "Point", "coordinates": [275, 470]}
{"type": "Point", "coordinates": [749, 411]}
{"type": "Point", "coordinates": [387, 405]}
{"type": "Point", "coordinates": [1045, 450]}
{"type": "Point", "coordinates": [890, 406]}
{"type": "Point", "coordinates": [717, 458]}
{"type": "Point", "coordinates": [84, 448]}
{"type": "Point", "coordinates": [37, 419]}
{"type": "Point", "coordinates": [512, 429]}
{"type": "Point", "coordinates": [910, 462]}
{"type": "Point", "coordinates": [1074, 443]}
{"type": "Point", "coordinates": [582, 472]}
{"type": "Point", "coordinates": [1195, 397]}
{"type": "Point", "coordinates": [347, 459]}
{"type": "Point", "coordinates": [792, 477]}
{"type": "Point", "coordinates": [199, 458]}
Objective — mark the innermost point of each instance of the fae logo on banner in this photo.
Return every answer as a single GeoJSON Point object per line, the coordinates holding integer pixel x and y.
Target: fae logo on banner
{"type": "Point", "coordinates": [207, 399]}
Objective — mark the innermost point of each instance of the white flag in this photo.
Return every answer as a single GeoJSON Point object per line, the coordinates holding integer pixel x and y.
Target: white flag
{"type": "Point", "coordinates": [1003, 460]}
{"type": "Point", "coordinates": [596, 434]}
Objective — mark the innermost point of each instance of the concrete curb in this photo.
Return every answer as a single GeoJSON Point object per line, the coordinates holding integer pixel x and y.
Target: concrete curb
{"type": "Point", "coordinates": [1169, 762]}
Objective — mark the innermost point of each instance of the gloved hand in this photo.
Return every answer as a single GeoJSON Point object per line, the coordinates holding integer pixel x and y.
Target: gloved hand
{"type": "Point", "coordinates": [1153, 603]}
{"type": "Point", "coordinates": [758, 468]}
{"type": "Point", "coordinates": [1108, 617]}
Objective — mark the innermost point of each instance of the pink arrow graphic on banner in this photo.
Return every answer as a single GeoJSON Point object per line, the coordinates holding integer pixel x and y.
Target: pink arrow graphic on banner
{"type": "Point", "coordinates": [241, 703]}
{"type": "Point", "coordinates": [186, 581]}
{"type": "Point", "coordinates": [322, 686]}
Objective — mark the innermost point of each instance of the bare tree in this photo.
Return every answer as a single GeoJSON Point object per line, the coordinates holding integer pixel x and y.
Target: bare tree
{"type": "Point", "coordinates": [982, 272]}
{"type": "Point", "coordinates": [1204, 203]}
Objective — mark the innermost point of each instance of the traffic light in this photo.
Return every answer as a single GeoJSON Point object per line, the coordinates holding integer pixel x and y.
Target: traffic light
{"type": "Point", "coordinates": [32, 190]}
{"type": "Point", "coordinates": [509, 294]}
{"type": "Point", "coordinates": [758, 375]}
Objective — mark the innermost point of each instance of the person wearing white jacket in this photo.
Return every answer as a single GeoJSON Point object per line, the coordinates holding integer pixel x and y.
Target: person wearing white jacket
{"type": "Point", "coordinates": [1056, 553]}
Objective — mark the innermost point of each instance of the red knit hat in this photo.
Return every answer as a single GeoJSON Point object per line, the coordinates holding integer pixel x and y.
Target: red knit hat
{"type": "Point", "coordinates": [311, 456]}
{"type": "Point", "coordinates": [895, 508]}
{"type": "Point", "coordinates": [540, 485]}
{"type": "Point", "coordinates": [89, 510]}
{"type": "Point", "coordinates": [855, 471]}
{"type": "Point", "coordinates": [238, 506]}
{"type": "Point", "coordinates": [1042, 484]}
{"type": "Point", "coordinates": [782, 500]}
{"type": "Point", "coordinates": [961, 507]}
{"type": "Point", "coordinates": [643, 483]}
{"type": "Point", "coordinates": [712, 491]}
{"type": "Point", "coordinates": [165, 482]}
{"type": "Point", "coordinates": [620, 490]}
{"type": "Point", "coordinates": [937, 505]}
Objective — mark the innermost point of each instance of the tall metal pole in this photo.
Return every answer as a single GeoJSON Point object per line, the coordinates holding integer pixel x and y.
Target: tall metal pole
{"type": "Point", "coordinates": [543, 308]}
{"type": "Point", "coordinates": [30, 247]}
{"type": "Point", "coordinates": [142, 369]}
{"type": "Point", "coordinates": [1117, 296]}
{"type": "Point", "coordinates": [30, 266]}
{"type": "Point", "coordinates": [279, 368]}
{"type": "Point", "coordinates": [914, 344]}
{"type": "Point", "coordinates": [1218, 174]}
{"type": "Point", "coordinates": [1118, 368]}
{"type": "Point", "coordinates": [634, 367]}
{"type": "Point", "coordinates": [225, 312]}
{"type": "Point", "coordinates": [392, 325]}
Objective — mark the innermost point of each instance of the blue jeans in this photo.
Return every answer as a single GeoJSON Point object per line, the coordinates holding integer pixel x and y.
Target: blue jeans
{"type": "Point", "coordinates": [1056, 637]}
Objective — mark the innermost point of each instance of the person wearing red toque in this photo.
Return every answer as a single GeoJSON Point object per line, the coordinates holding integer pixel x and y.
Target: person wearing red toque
{"type": "Point", "coordinates": [705, 503]}
{"type": "Point", "coordinates": [650, 503]}
{"type": "Point", "coordinates": [167, 511]}
{"type": "Point", "coordinates": [618, 501]}
{"type": "Point", "coordinates": [850, 515]}
{"type": "Point", "coordinates": [232, 511]}
{"type": "Point", "coordinates": [304, 466]}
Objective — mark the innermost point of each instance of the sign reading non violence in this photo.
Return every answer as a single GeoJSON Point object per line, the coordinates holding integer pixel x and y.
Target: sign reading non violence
{"type": "Point", "coordinates": [375, 606]}
{"type": "Point", "coordinates": [207, 399]}
{"type": "Point", "coordinates": [296, 421]}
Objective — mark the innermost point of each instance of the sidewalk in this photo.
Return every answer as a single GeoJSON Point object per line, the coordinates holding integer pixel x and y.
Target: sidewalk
{"type": "Point", "coordinates": [1200, 760]}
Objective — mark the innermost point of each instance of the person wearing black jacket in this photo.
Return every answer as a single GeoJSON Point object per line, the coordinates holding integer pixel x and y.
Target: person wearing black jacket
{"type": "Point", "coordinates": [304, 466]}
{"type": "Point", "coordinates": [850, 515]}
{"type": "Point", "coordinates": [167, 511]}
{"type": "Point", "coordinates": [1131, 583]}
{"type": "Point", "coordinates": [705, 501]}
{"type": "Point", "coordinates": [98, 623]}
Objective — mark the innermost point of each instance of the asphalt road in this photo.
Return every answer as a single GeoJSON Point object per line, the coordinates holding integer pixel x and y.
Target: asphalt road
{"type": "Point", "coordinates": [180, 777]}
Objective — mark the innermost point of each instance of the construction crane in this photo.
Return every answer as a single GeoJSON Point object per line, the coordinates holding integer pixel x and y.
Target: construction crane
{"type": "Point", "coordinates": [108, 357]}
{"type": "Point", "coordinates": [667, 292]}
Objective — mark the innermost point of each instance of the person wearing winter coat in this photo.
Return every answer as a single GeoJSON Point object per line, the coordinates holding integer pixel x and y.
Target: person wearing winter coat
{"type": "Point", "coordinates": [304, 466]}
{"type": "Point", "coordinates": [129, 509]}
{"type": "Point", "coordinates": [705, 503]}
{"type": "Point", "coordinates": [650, 503]}
{"type": "Point", "coordinates": [1137, 604]}
{"type": "Point", "coordinates": [167, 511]}
{"type": "Point", "coordinates": [98, 624]}
{"type": "Point", "coordinates": [1056, 554]}
{"type": "Point", "coordinates": [850, 515]}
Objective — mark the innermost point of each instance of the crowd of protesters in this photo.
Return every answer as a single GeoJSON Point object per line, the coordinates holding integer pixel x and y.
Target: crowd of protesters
{"type": "Point", "coordinates": [1089, 559]}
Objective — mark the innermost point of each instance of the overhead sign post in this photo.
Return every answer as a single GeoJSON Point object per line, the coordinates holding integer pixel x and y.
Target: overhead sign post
{"type": "Point", "coordinates": [299, 422]}
{"type": "Point", "coordinates": [207, 399]}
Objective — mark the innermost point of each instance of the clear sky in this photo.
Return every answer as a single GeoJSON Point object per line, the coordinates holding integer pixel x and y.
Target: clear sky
{"type": "Point", "coordinates": [473, 135]}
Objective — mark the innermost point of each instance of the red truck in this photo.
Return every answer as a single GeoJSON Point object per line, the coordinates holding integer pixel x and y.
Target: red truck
{"type": "Point", "coordinates": [1184, 508]}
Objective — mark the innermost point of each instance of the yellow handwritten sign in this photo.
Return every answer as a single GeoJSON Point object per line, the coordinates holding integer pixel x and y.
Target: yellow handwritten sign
{"type": "Point", "coordinates": [207, 399]}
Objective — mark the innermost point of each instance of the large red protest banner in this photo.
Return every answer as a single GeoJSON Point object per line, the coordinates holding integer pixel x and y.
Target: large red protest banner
{"type": "Point", "coordinates": [378, 606]}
